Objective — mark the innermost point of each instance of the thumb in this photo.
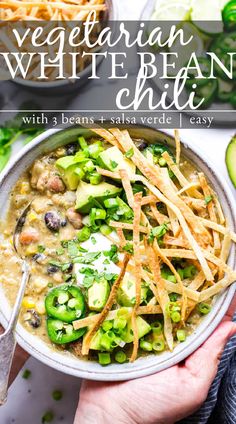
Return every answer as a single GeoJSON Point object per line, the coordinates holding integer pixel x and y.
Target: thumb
{"type": "Point", "coordinates": [204, 362]}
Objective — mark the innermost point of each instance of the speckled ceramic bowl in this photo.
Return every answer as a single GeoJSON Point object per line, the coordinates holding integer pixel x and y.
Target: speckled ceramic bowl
{"type": "Point", "coordinates": [150, 364]}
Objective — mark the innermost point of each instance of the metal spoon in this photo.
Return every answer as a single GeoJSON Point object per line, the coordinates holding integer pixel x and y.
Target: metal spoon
{"type": "Point", "coordinates": [7, 339]}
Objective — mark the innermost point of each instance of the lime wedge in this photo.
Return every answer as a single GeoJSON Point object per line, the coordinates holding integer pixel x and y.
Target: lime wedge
{"type": "Point", "coordinates": [174, 11]}
{"type": "Point", "coordinates": [184, 52]}
{"type": "Point", "coordinates": [206, 16]}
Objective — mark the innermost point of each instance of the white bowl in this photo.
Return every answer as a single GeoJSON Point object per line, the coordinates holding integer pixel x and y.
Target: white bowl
{"type": "Point", "coordinates": [150, 364]}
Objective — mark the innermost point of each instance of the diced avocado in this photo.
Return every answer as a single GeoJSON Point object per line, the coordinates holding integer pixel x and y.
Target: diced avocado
{"type": "Point", "coordinates": [96, 340]}
{"type": "Point", "coordinates": [87, 192]}
{"type": "Point", "coordinates": [66, 161]}
{"type": "Point", "coordinates": [71, 171]}
{"type": "Point", "coordinates": [126, 292]}
{"type": "Point", "coordinates": [71, 176]}
{"type": "Point", "coordinates": [113, 160]}
{"type": "Point", "coordinates": [98, 294]}
{"type": "Point", "coordinates": [143, 329]}
{"type": "Point", "coordinates": [230, 159]}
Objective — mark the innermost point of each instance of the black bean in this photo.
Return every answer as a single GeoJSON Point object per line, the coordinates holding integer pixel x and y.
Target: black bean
{"type": "Point", "coordinates": [70, 268]}
{"type": "Point", "coordinates": [141, 144]}
{"type": "Point", "coordinates": [71, 149]}
{"type": "Point", "coordinates": [52, 269]}
{"type": "Point", "coordinates": [63, 222]}
{"type": "Point", "coordinates": [38, 257]}
{"type": "Point", "coordinates": [52, 221]}
{"type": "Point", "coordinates": [35, 320]}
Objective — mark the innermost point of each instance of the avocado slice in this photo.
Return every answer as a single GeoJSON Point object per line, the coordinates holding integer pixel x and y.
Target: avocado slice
{"type": "Point", "coordinates": [87, 192]}
{"type": "Point", "coordinates": [70, 170]}
{"type": "Point", "coordinates": [71, 176]}
{"type": "Point", "coordinates": [126, 292]}
{"type": "Point", "coordinates": [96, 340]}
{"type": "Point", "coordinates": [143, 329]}
{"type": "Point", "coordinates": [98, 294]}
{"type": "Point", "coordinates": [112, 156]}
{"type": "Point", "coordinates": [230, 159]}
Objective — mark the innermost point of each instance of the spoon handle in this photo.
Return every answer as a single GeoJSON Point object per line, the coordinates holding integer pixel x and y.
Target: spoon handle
{"type": "Point", "coordinates": [7, 340]}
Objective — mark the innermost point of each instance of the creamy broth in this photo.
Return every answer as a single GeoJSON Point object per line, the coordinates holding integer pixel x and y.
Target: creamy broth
{"type": "Point", "coordinates": [43, 185]}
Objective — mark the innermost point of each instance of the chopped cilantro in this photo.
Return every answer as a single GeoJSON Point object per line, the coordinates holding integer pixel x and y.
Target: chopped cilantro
{"type": "Point", "coordinates": [81, 249]}
{"type": "Point", "coordinates": [47, 417]}
{"type": "Point", "coordinates": [72, 248]}
{"type": "Point", "coordinates": [60, 251]}
{"type": "Point", "coordinates": [26, 374]}
{"type": "Point", "coordinates": [93, 240]}
{"type": "Point", "coordinates": [112, 253]}
{"type": "Point", "coordinates": [208, 199]}
{"type": "Point", "coordinates": [128, 247]}
{"type": "Point", "coordinates": [114, 164]}
{"type": "Point", "coordinates": [106, 262]}
{"type": "Point", "coordinates": [57, 395]}
{"type": "Point", "coordinates": [158, 232]}
{"type": "Point", "coordinates": [41, 248]}
{"type": "Point", "coordinates": [129, 153]}
{"type": "Point", "coordinates": [88, 258]}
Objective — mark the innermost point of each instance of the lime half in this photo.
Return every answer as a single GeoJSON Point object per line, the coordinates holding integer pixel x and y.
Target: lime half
{"type": "Point", "coordinates": [206, 16]}
{"type": "Point", "coordinates": [174, 11]}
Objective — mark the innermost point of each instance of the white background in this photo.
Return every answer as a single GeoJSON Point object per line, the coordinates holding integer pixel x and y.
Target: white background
{"type": "Point", "coordinates": [29, 399]}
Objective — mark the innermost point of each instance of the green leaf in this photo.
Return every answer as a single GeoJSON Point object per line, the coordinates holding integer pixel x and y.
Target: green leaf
{"type": "Point", "coordinates": [158, 232]}
{"type": "Point", "coordinates": [208, 199]}
{"type": "Point", "coordinates": [5, 153]}
{"type": "Point", "coordinates": [129, 153]}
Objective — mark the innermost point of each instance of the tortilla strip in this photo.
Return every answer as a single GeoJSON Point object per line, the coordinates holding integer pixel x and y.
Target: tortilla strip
{"type": "Point", "coordinates": [158, 216]}
{"type": "Point", "coordinates": [185, 228]}
{"type": "Point", "coordinates": [153, 173]}
{"type": "Point", "coordinates": [127, 226]}
{"type": "Point", "coordinates": [163, 295]}
{"type": "Point", "coordinates": [173, 241]}
{"type": "Point", "coordinates": [217, 287]}
{"type": "Point", "coordinates": [107, 173]}
{"type": "Point", "coordinates": [197, 204]}
{"type": "Point", "coordinates": [177, 146]}
{"type": "Point", "coordinates": [218, 207]}
{"type": "Point", "coordinates": [148, 200]}
{"type": "Point", "coordinates": [219, 228]}
{"type": "Point", "coordinates": [141, 310]}
{"type": "Point", "coordinates": [159, 253]}
{"type": "Point", "coordinates": [121, 237]}
{"type": "Point", "coordinates": [189, 254]}
{"type": "Point", "coordinates": [173, 221]}
{"type": "Point", "coordinates": [59, 5]}
{"type": "Point", "coordinates": [112, 297]}
{"type": "Point", "coordinates": [211, 209]}
{"type": "Point", "coordinates": [187, 187]}
{"type": "Point", "coordinates": [180, 177]}
{"type": "Point", "coordinates": [137, 271]}
{"type": "Point", "coordinates": [175, 288]}
{"type": "Point", "coordinates": [151, 284]}
{"type": "Point", "coordinates": [225, 249]}
{"type": "Point", "coordinates": [198, 281]}
{"type": "Point", "coordinates": [127, 187]}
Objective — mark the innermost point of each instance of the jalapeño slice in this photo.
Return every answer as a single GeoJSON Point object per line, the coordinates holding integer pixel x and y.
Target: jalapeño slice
{"type": "Point", "coordinates": [65, 303]}
{"type": "Point", "coordinates": [61, 332]}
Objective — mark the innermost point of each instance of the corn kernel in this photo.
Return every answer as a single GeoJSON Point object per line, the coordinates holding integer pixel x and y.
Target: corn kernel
{"type": "Point", "coordinates": [40, 308]}
{"type": "Point", "coordinates": [25, 188]}
{"type": "Point", "coordinates": [32, 216]}
{"type": "Point", "coordinates": [31, 250]}
{"type": "Point", "coordinates": [28, 302]}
